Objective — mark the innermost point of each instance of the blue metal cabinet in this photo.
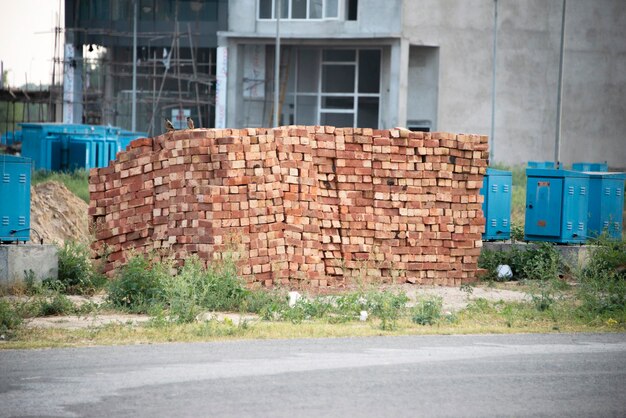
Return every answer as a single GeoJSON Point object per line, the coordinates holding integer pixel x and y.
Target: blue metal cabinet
{"type": "Point", "coordinates": [585, 166]}
{"type": "Point", "coordinates": [557, 203]}
{"type": "Point", "coordinates": [14, 198]}
{"type": "Point", "coordinates": [58, 146]}
{"type": "Point", "coordinates": [606, 204]}
{"type": "Point", "coordinates": [496, 190]}
{"type": "Point", "coordinates": [541, 164]}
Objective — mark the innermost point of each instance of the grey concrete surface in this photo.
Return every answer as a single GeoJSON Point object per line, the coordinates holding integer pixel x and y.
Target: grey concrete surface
{"type": "Point", "coordinates": [43, 260]}
{"type": "Point", "coordinates": [506, 375]}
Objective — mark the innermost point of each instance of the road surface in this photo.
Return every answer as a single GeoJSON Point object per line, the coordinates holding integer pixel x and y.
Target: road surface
{"type": "Point", "coordinates": [476, 376]}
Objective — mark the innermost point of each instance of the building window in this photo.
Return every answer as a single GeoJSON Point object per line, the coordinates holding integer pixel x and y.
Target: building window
{"type": "Point", "coordinates": [319, 86]}
{"type": "Point", "coordinates": [299, 9]}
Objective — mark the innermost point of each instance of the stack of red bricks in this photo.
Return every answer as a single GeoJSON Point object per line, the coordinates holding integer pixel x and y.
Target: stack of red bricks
{"type": "Point", "coordinates": [299, 206]}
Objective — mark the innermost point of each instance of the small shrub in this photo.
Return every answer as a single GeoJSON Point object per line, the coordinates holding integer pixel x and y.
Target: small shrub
{"type": "Point", "coordinates": [602, 283]}
{"type": "Point", "coordinates": [517, 232]}
{"type": "Point", "coordinates": [77, 274]}
{"type": "Point", "coordinates": [139, 284]}
{"type": "Point", "coordinates": [265, 303]}
{"type": "Point", "coordinates": [10, 319]}
{"type": "Point", "coordinates": [542, 295]}
{"type": "Point", "coordinates": [196, 289]}
{"type": "Point", "coordinates": [58, 304]}
{"type": "Point", "coordinates": [539, 261]}
{"type": "Point", "coordinates": [490, 260]}
{"type": "Point", "coordinates": [386, 306]}
{"type": "Point", "coordinates": [223, 288]}
{"type": "Point", "coordinates": [427, 311]}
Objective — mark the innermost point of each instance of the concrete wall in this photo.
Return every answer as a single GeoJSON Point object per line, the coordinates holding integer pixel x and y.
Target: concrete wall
{"type": "Point", "coordinates": [594, 99]}
{"type": "Point", "coordinates": [16, 260]}
{"type": "Point", "coordinates": [594, 95]}
{"type": "Point", "coordinates": [375, 17]}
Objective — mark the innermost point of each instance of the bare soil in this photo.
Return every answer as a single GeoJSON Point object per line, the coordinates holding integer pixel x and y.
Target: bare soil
{"type": "Point", "coordinates": [57, 214]}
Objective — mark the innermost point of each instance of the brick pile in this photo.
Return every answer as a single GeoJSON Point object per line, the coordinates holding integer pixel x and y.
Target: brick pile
{"type": "Point", "coordinates": [301, 206]}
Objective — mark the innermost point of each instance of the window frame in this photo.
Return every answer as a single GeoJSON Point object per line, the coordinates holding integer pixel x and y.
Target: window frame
{"type": "Point", "coordinates": [308, 12]}
{"type": "Point", "coordinates": [355, 94]}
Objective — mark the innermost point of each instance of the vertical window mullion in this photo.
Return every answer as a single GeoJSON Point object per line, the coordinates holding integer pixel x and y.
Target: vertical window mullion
{"type": "Point", "coordinates": [319, 84]}
{"type": "Point", "coordinates": [295, 87]}
{"type": "Point", "coordinates": [356, 89]}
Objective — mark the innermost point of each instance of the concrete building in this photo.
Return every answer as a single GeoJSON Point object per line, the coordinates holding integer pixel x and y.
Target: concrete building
{"type": "Point", "coordinates": [429, 65]}
{"type": "Point", "coordinates": [175, 56]}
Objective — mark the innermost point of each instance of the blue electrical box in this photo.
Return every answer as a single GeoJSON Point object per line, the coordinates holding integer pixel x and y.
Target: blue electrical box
{"type": "Point", "coordinates": [606, 204]}
{"type": "Point", "coordinates": [497, 186]}
{"type": "Point", "coordinates": [557, 203]}
{"type": "Point", "coordinates": [58, 146]}
{"type": "Point", "coordinates": [14, 198]}
{"type": "Point", "coordinates": [541, 164]}
{"type": "Point", "coordinates": [584, 166]}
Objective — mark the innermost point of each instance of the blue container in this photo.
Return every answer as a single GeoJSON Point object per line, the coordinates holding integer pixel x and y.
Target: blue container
{"type": "Point", "coordinates": [10, 138]}
{"type": "Point", "coordinates": [557, 202]}
{"type": "Point", "coordinates": [541, 164]}
{"type": "Point", "coordinates": [14, 198]}
{"type": "Point", "coordinates": [584, 166]}
{"type": "Point", "coordinates": [496, 190]}
{"type": "Point", "coordinates": [606, 204]}
{"type": "Point", "coordinates": [58, 146]}
{"type": "Point", "coordinates": [126, 137]}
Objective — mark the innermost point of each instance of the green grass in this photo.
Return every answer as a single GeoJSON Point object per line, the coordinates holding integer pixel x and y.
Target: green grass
{"type": "Point", "coordinates": [76, 181]}
{"type": "Point", "coordinates": [480, 317]}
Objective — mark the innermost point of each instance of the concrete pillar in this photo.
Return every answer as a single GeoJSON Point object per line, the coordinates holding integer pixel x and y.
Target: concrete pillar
{"type": "Point", "coordinates": [108, 117]}
{"type": "Point", "coordinates": [72, 83]}
{"type": "Point", "coordinates": [403, 77]}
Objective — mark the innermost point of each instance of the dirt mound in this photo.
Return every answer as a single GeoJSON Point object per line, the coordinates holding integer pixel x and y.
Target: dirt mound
{"type": "Point", "coordinates": [56, 214]}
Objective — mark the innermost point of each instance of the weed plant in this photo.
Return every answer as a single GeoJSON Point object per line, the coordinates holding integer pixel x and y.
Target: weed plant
{"type": "Point", "coordinates": [57, 304]}
{"type": "Point", "coordinates": [139, 285]}
{"type": "Point", "coordinates": [427, 311]}
{"type": "Point", "coordinates": [539, 261]}
{"type": "Point", "coordinates": [77, 274]}
{"type": "Point", "coordinates": [196, 289]}
{"type": "Point", "coordinates": [602, 283]}
{"type": "Point", "coordinates": [10, 320]}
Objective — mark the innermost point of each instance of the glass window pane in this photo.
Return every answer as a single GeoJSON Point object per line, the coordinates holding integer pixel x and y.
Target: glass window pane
{"type": "Point", "coordinates": [338, 78]}
{"type": "Point", "coordinates": [308, 70]}
{"type": "Point", "coordinates": [265, 9]}
{"type": "Point", "coordinates": [315, 9]}
{"type": "Point", "coordinates": [369, 71]}
{"type": "Point", "coordinates": [332, 8]}
{"type": "Point", "coordinates": [367, 113]}
{"type": "Point", "coordinates": [306, 110]}
{"type": "Point", "coordinates": [284, 11]}
{"type": "Point", "coordinates": [337, 102]}
{"type": "Point", "coordinates": [341, 120]}
{"type": "Point", "coordinates": [298, 9]}
{"type": "Point", "coordinates": [342, 55]}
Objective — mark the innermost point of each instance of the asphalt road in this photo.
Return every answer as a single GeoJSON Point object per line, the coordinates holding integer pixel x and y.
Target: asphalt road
{"type": "Point", "coordinates": [517, 375]}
